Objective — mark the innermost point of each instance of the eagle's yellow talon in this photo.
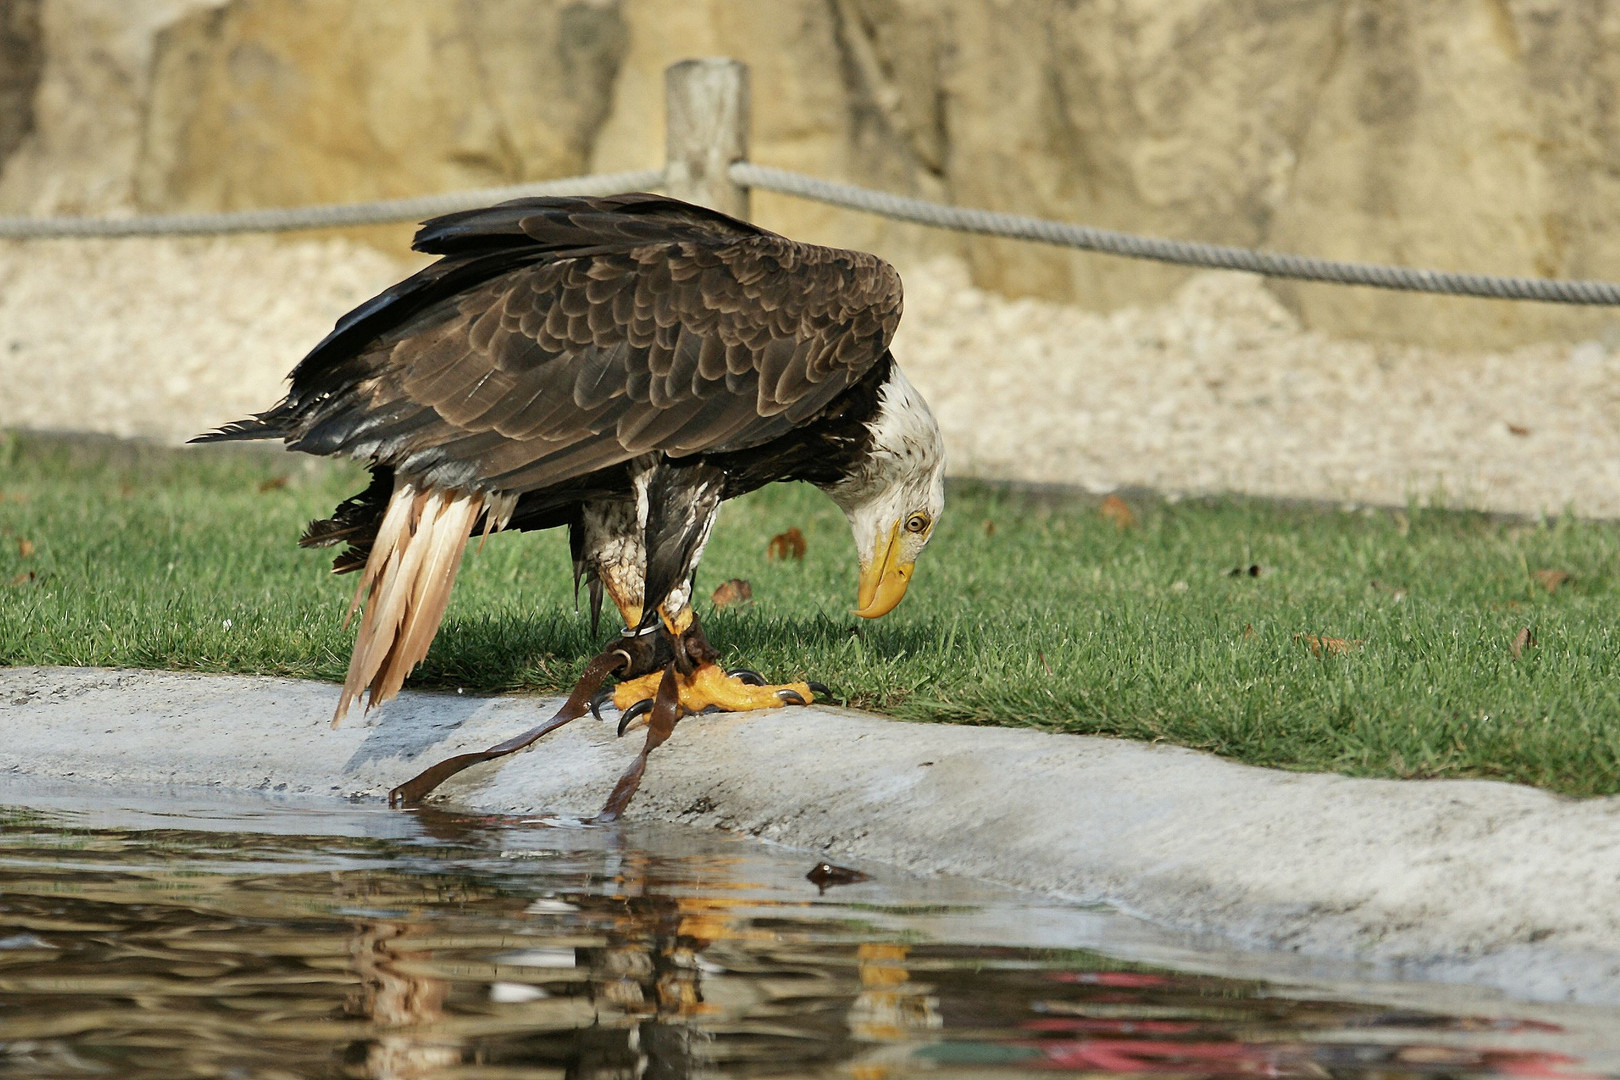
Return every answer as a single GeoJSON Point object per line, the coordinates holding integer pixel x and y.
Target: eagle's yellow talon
{"type": "Point", "coordinates": [709, 686]}
{"type": "Point", "coordinates": [631, 691]}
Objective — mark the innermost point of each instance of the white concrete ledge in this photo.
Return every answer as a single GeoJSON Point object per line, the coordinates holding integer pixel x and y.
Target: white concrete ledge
{"type": "Point", "coordinates": [1457, 881]}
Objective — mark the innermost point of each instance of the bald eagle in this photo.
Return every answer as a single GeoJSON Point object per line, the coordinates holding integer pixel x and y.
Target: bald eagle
{"type": "Point", "coordinates": [616, 366]}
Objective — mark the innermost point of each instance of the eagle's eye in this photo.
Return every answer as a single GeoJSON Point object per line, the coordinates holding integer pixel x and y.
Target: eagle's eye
{"type": "Point", "coordinates": [917, 523]}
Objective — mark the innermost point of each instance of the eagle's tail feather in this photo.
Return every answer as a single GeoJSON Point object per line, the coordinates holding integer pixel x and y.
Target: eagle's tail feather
{"type": "Point", "coordinates": [406, 585]}
{"type": "Point", "coordinates": [270, 424]}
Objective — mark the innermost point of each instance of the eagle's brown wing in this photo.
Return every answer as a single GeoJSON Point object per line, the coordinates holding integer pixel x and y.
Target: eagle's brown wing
{"type": "Point", "coordinates": [676, 337]}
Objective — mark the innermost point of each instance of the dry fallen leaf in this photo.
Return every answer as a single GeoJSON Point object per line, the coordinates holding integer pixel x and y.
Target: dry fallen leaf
{"type": "Point", "coordinates": [1248, 631]}
{"type": "Point", "coordinates": [989, 527]}
{"type": "Point", "coordinates": [1116, 509]}
{"type": "Point", "coordinates": [1518, 429]}
{"type": "Point", "coordinates": [737, 590]}
{"type": "Point", "coordinates": [1330, 646]}
{"type": "Point", "coordinates": [824, 875]}
{"type": "Point", "coordinates": [788, 545]}
{"type": "Point", "coordinates": [1523, 640]}
{"type": "Point", "coordinates": [275, 483]}
{"type": "Point", "coordinates": [1551, 579]}
{"type": "Point", "coordinates": [25, 549]}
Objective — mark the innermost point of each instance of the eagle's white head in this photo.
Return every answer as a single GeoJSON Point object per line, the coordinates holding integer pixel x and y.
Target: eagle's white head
{"type": "Point", "coordinates": [894, 498]}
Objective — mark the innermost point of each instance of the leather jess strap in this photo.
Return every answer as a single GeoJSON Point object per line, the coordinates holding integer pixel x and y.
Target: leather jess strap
{"type": "Point", "coordinates": [413, 791]}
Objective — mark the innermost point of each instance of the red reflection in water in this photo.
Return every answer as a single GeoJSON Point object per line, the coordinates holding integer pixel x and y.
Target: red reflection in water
{"type": "Point", "coordinates": [1146, 1056]}
{"type": "Point", "coordinates": [1164, 1057]}
{"type": "Point", "coordinates": [1530, 1063]}
{"type": "Point", "coordinates": [1113, 1027]}
{"type": "Point", "coordinates": [1133, 980]}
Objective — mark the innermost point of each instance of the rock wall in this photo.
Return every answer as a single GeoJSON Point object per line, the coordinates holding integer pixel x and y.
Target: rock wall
{"type": "Point", "coordinates": [21, 57]}
{"type": "Point", "coordinates": [83, 135]}
{"type": "Point", "coordinates": [1469, 134]}
{"type": "Point", "coordinates": [281, 102]}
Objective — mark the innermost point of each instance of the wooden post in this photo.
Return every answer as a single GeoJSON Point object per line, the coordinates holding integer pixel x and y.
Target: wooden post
{"type": "Point", "coordinates": [706, 129]}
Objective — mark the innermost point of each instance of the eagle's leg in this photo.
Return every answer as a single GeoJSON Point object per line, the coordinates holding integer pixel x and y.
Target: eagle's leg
{"type": "Point", "coordinates": [648, 571]}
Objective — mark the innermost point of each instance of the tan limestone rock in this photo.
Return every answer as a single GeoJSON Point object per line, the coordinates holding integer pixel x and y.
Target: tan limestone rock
{"type": "Point", "coordinates": [84, 137]}
{"type": "Point", "coordinates": [272, 103]}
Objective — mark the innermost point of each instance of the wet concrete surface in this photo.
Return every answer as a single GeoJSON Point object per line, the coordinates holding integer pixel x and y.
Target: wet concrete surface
{"type": "Point", "coordinates": [1456, 881]}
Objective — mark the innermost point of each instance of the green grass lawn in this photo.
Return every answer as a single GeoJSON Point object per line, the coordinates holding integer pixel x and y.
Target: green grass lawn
{"type": "Point", "coordinates": [1026, 611]}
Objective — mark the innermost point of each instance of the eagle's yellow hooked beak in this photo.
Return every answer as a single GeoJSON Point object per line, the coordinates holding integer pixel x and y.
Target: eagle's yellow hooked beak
{"type": "Point", "coordinates": [884, 579]}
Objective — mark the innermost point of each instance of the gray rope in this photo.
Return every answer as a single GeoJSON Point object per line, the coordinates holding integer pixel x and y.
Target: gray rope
{"type": "Point", "coordinates": [1180, 252]}
{"type": "Point", "coordinates": [336, 215]}
{"type": "Point", "coordinates": [900, 207]}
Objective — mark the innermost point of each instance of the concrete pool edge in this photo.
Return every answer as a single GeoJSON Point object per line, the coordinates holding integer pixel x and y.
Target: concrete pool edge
{"type": "Point", "coordinates": [1456, 881]}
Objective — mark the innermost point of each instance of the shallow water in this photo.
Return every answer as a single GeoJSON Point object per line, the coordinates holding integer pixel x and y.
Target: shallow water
{"type": "Point", "coordinates": [175, 937]}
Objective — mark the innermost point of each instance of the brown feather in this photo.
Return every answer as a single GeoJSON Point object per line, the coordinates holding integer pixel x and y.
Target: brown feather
{"type": "Point", "coordinates": [673, 343]}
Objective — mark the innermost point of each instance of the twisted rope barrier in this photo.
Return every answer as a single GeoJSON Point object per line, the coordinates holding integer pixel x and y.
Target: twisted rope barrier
{"type": "Point", "coordinates": [1179, 252]}
{"type": "Point", "coordinates": [852, 197]}
{"type": "Point", "coordinates": [335, 215]}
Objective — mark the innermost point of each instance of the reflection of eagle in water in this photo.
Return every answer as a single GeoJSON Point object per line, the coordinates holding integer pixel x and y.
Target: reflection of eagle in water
{"type": "Point", "coordinates": [619, 366]}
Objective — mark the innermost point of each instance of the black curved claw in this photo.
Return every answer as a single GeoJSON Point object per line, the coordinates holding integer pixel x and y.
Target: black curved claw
{"type": "Point", "coordinates": [791, 696]}
{"type": "Point", "coordinates": [640, 708]}
{"type": "Point", "coordinates": [598, 701]}
{"type": "Point", "coordinates": [747, 675]}
{"type": "Point", "coordinates": [819, 688]}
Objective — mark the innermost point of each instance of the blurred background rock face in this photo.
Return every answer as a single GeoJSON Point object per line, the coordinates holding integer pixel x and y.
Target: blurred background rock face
{"type": "Point", "coordinates": [1470, 134]}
